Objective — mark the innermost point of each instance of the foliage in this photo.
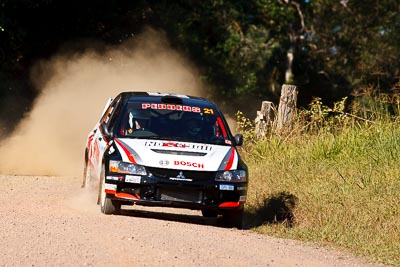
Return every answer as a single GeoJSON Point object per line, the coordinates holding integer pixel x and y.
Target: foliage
{"type": "Point", "coordinates": [335, 178]}
{"type": "Point", "coordinates": [245, 126]}
{"type": "Point", "coordinates": [323, 117]}
{"type": "Point", "coordinates": [241, 47]}
{"type": "Point", "coordinates": [359, 42]}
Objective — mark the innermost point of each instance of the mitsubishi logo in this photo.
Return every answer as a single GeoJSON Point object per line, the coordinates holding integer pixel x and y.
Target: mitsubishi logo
{"type": "Point", "coordinates": [180, 175]}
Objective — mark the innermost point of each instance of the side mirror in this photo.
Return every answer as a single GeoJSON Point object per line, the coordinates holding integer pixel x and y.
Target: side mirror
{"type": "Point", "coordinates": [106, 131]}
{"type": "Point", "coordinates": [238, 139]}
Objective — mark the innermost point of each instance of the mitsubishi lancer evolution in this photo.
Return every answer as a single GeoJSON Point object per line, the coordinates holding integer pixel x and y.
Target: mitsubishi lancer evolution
{"type": "Point", "coordinates": [167, 150]}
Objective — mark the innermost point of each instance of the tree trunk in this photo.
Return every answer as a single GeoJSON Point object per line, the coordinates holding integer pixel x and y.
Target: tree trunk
{"type": "Point", "coordinates": [264, 119]}
{"type": "Point", "coordinates": [287, 106]}
{"type": "Point", "coordinates": [289, 68]}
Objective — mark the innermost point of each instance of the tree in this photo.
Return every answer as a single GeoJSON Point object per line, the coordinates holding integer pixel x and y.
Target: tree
{"type": "Point", "coordinates": [359, 41]}
{"type": "Point", "coordinates": [244, 48]}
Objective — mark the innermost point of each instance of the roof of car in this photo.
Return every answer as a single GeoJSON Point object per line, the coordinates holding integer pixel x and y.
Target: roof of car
{"type": "Point", "coordinates": [164, 97]}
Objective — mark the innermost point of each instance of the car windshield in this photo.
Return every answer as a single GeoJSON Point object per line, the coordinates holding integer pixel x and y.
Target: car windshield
{"type": "Point", "coordinates": [198, 124]}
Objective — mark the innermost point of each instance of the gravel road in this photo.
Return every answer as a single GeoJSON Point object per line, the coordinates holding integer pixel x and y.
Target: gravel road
{"type": "Point", "coordinates": [51, 221]}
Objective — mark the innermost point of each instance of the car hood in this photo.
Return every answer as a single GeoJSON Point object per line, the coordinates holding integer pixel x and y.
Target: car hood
{"type": "Point", "coordinates": [177, 155]}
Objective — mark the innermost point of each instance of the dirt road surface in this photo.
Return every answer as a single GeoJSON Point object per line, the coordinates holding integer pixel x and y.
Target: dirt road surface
{"type": "Point", "coordinates": [51, 221]}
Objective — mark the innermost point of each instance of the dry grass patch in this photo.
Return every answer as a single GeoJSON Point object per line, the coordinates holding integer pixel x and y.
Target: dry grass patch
{"type": "Point", "coordinates": [334, 183]}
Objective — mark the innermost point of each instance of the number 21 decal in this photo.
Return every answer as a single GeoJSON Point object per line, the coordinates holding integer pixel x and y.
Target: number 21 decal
{"type": "Point", "coordinates": [208, 111]}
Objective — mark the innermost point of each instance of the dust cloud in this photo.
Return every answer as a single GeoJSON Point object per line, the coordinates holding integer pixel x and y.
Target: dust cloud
{"type": "Point", "coordinates": [74, 88]}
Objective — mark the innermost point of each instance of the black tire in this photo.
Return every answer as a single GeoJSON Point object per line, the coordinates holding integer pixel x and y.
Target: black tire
{"type": "Point", "coordinates": [209, 213]}
{"type": "Point", "coordinates": [107, 205]}
{"type": "Point", "coordinates": [233, 218]}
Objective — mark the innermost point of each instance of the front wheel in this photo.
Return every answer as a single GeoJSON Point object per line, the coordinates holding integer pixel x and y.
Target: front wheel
{"type": "Point", "coordinates": [209, 213]}
{"type": "Point", "coordinates": [107, 205]}
{"type": "Point", "coordinates": [233, 218]}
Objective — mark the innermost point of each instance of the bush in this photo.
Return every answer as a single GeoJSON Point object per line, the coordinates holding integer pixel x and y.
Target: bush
{"type": "Point", "coordinates": [338, 174]}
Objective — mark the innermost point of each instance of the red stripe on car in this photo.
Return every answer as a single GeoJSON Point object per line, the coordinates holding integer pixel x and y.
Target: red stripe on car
{"type": "Point", "coordinates": [221, 125]}
{"type": "Point", "coordinates": [109, 191]}
{"type": "Point", "coordinates": [127, 196]}
{"type": "Point", "coordinates": [230, 161]}
{"type": "Point", "coordinates": [229, 205]}
{"type": "Point", "coordinates": [128, 154]}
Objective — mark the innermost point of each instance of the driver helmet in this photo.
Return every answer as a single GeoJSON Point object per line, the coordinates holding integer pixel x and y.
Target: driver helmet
{"type": "Point", "coordinates": [193, 123]}
{"type": "Point", "coordinates": [139, 119]}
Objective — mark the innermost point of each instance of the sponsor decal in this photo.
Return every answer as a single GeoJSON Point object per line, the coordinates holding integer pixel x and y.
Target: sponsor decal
{"type": "Point", "coordinates": [170, 107]}
{"type": "Point", "coordinates": [164, 162]}
{"type": "Point", "coordinates": [107, 116]}
{"type": "Point", "coordinates": [228, 187]}
{"type": "Point", "coordinates": [172, 144]}
{"type": "Point", "coordinates": [228, 142]}
{"type": "Point", "coordinates": [111, 150]}
{"type": "Point", "coordinates": [208, 111]}
{"type": "Point", "coordinates": [242, 188]}
{"type": "Point", "coordinates": [202, 147]}
{"type": "Point", "coordinates": [112, 178]}
{"type": "Point", "coordinates": [133, 179]}
{"type": "Point", "coordinates": [110, 186]}
{"type": "Point", "coordinates": [188, 164]}
{"type": "Point", "coordinates": [180, 177]}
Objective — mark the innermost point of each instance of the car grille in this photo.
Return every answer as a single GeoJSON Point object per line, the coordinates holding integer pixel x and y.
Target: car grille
{"type": "Point", "coordinates": [180, 195]}
{"type": "Point", "coordinates": [195, 175]}
{"type": "Point", "coordinates": [174, 152]}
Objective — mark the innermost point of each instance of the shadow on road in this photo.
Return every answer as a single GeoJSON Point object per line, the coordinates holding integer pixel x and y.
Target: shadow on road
{"type": "Point", "coordinates": [278, 208]}
{"type": "Point", "coordinates": [169, 216]}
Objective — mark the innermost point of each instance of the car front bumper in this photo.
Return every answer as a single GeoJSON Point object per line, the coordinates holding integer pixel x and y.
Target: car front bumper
{"type": "Point", "coordinates": [192, 194]}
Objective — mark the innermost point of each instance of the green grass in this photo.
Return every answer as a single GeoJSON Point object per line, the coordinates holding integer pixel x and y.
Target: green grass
{"type": "Point", "coordinates": [335, 184]}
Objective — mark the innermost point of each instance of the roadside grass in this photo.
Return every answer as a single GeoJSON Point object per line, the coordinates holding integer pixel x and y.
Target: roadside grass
{"type": "Point", "coordinates": [332, 180]}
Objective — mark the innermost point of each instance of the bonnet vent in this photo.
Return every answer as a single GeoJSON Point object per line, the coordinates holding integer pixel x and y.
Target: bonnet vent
{"type": "Point", "coordinates": [171, 100]}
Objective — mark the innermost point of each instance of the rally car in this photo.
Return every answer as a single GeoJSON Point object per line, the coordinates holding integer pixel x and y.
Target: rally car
{"type": "Point", "coordinates": [166, 150]}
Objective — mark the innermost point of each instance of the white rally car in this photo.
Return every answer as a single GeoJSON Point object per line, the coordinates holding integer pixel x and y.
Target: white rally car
{"type": "Point", "coordinates": [166, 150]}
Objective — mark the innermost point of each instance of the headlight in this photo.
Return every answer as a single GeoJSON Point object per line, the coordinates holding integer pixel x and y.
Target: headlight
{"type": "Point", "coordinates": [124, 167]}
{"type": "Point", "coordinates": [231, 176]}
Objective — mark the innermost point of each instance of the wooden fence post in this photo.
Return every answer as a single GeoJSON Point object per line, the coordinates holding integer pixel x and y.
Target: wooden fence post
{"type": "Point", "coordinates": [287, 106]}
{"type": "Point", "coordinates": [264, 119]}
